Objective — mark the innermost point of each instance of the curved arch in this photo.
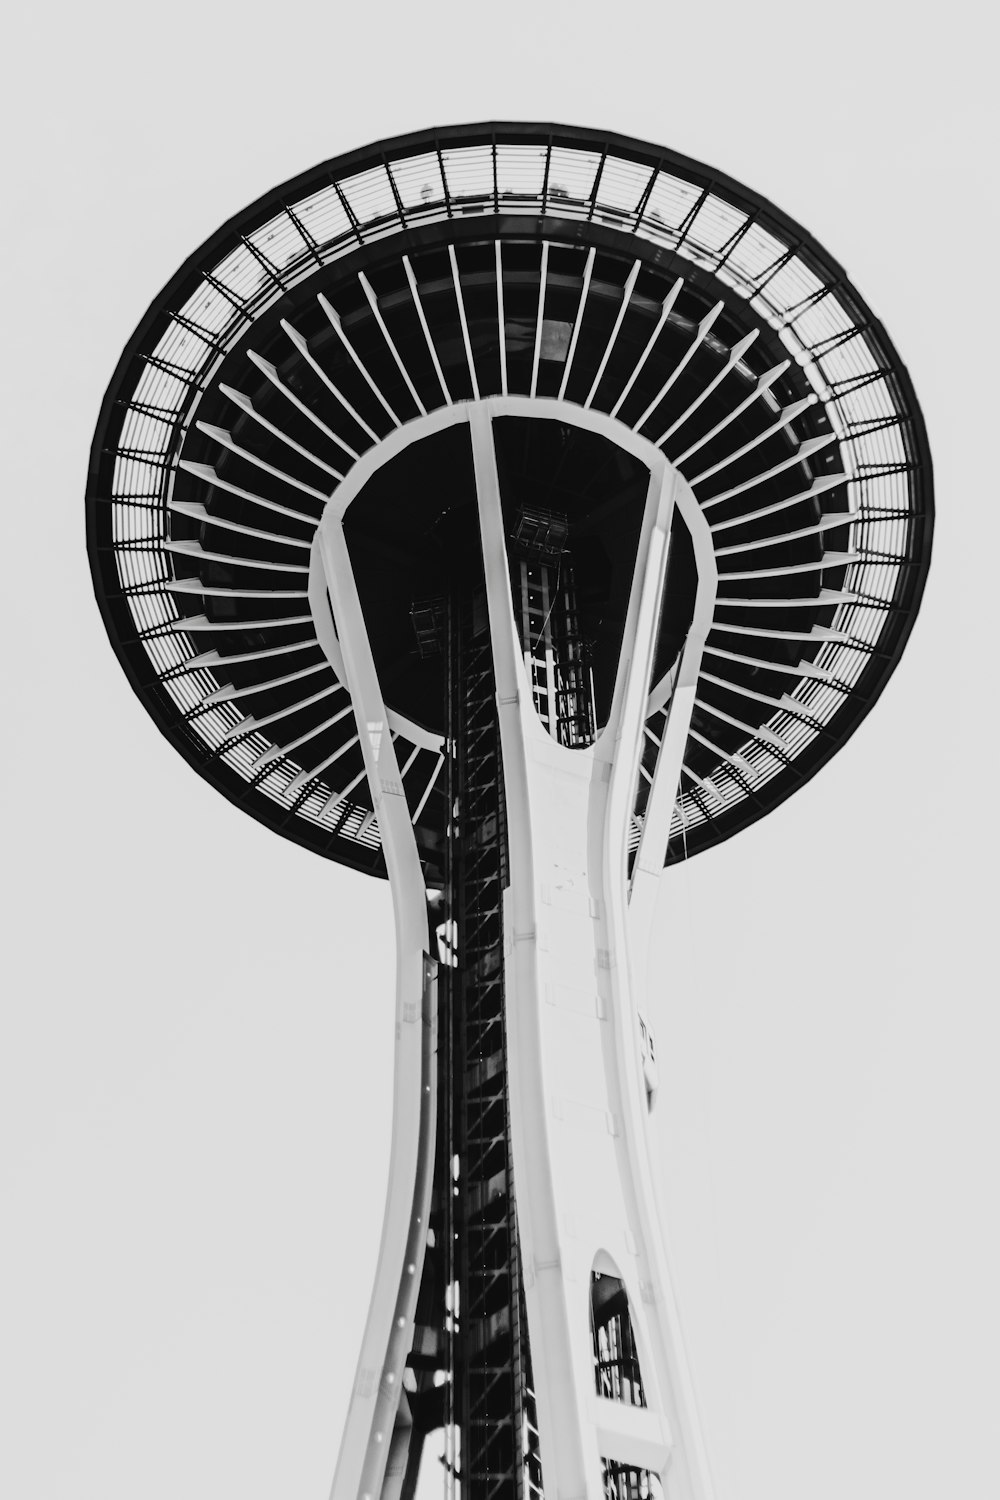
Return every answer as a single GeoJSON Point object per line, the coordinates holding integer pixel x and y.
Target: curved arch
{"type": "Point", "coordinates": [536, 408]}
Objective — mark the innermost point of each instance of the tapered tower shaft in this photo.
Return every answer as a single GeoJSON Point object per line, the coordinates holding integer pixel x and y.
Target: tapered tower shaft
{"type": "Point", "coordinates": [713, 467]}
{"type": "Point", "coordinates": [560, 1361]}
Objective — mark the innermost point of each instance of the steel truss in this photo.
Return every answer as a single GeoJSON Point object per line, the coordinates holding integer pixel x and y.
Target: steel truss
{"type": "Point", "coordinates": [491, 1356]}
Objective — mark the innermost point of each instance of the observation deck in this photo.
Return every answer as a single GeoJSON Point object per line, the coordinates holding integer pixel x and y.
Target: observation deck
{"type": "Point", "coordinates": [310, 334]}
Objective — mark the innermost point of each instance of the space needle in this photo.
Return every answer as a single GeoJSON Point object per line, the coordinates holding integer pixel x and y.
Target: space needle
{"type": "Point", "coordinates": [511, 511]}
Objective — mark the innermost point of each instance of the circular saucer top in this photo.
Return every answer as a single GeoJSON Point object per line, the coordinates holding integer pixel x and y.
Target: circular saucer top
{"type": "Point", "coordinates": [458, 264]}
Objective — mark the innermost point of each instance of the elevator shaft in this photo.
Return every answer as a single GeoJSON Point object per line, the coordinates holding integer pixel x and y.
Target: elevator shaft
{"type": "Point", "coordinates": [497, 1449]}
{"type": "Point", "coordinates": [490, 1372]}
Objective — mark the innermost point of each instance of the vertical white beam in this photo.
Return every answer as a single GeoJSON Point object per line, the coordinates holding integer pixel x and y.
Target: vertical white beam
{"type": "Point", "coordinates": [588, 271]}
{"type": "Point", "coordinates": [555, 1324]}
{"type": "Point", "coordinates": [539, 319]}
{"type": "Point", "coordinates": [388, 1333]}
{"type": "Point", "coordinates": [665, 311]}
{"type": "Point", "coordinates": [300, 780]}
{"type": "Point", "coordinates": [463, 320]}
{"type": "Point", "coordinates": [736, 353]}
{"type": "Point", "coordinates": [629, 288]}
{"type": "Point", "coordinates": [658, 1330]}
{"type": "Point", "coordinates": [302, 346]}
{"type": "Point", "coordinates": [369, 292]}
{"type": "Point", "coordinates": [582, 1177]}
{"type": "Point", "coordinates": [652, 849]}
{"type": "Point", "coordinates": [764, 384]}
{"type": "Point", "coordinates": [246, 405]}
{"type": "Point", "coordinates": [501, 321]}
{"type": "Point", "coordinates": [270, 372]}
{"type": "Point", "coordinates": [415, 294]}
{"type": "Point", "coordinates": [334, 319]}
{"type": "Point", "coordinates": [682, 363]}
{"type": "Point", "coordinates": [635, 664]}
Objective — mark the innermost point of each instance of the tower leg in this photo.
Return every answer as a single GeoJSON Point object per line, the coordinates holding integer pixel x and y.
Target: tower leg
{"type": "Point", "coordinates": [583, 1183]}
{"type": "Point", "coordinates": [376, 1422]}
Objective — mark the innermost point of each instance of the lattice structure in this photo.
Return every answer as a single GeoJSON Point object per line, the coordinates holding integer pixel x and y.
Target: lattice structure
{"type": "Point", "coordinates": [554, 650]}
{"type": "Point", "coordinates": [493, 1345]}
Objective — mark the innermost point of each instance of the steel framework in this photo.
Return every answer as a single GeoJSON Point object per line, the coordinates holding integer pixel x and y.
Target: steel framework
{"type": "Point", "coordinates": [511, 511]}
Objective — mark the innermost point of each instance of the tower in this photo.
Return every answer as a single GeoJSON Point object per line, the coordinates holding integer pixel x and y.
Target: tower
{"type": "Point", "coordinates": [511, 511]}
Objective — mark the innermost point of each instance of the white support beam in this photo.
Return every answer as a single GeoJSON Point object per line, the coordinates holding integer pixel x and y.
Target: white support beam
{"type": "Point", "coordinates": [204, 517]}
{"type": "Point", "coordinates": [250, 723]}
{"type": "Point", "coordinates": [764, 384]}
{"type": "Point", "coordinates": [729, 758]}
{"type": "Point", "coordinates": [427, 789]}
{"type": "Point", "coordinates": [213, 659]}
{"type": "Point", "coordinates": [812, 601]}
{"type": "Point", "coordinates": [299, 781]}
{"type": "Point", "coordinates": [803, 451]}
{"type": "Point", "coordinates": [627, 291]}
{"type": "Point", "coordinates": [463, 320]}
{"type": "Point", "coordinates": [366, 287]}
{"type": "Point", "coordinates": [762, 732]}
{"type": "Point", "coordinates": [631, 1434]}
{"type": "Point", "coordinates": [230, 691]}
{"type": "Point", "coordinates": [787, 416]}
{"type": "Point", "coordinates": [225, 439]}
{"type": "Point", "coordinates": [221, 591]}
{"type": "Point", "coordinates": [785, 704]}
{"type": "Point", "coordinates": [270, 372]}
{"type": "Point", "coordinates": [588, 272]}
{"type": "Point", "coordinates": [246, 405]}
{"type": "Point", "coordinates": [388, 1335]}
{"type": "Point", "coordinates": [736, 353]}
{"type": "Point", "coordinates": [333, 317]}
{"type": "Point", "coordinates": [828, 560]}
{"type": "Point", "coordinates": [336, 798]}
{"type": "Point", "coordinates": [501, 319]}
{"type": "Point", "coordinates": [652, 848]}
{"type": "Point", "coordinates": [579, 1115]}
{"type": "Point", "coordinates": [817, 488]}
{"type": "Point", "coordinates": [279, 752]}
{"type": "Point", "coordinates": [194, 624]}
{"type": "Point", "coordinates": [539, 317]}
{"type": "Point", "coordinates": [699, 338]}
{"type": "Point", "coordinates": [815, 633]}
{"type": "Point", "coordinates": [665, 311]}
{"type": "Point", "coordinates": [298, 342]}
{"type": "Point", "coordinates": [195, 550]}
{"type": "Point", "coordinates": [418, 304]}
{"type": "Point", "coordinates": [828, 523]}
{"type": "Point", "coordinates": [208, 474]}
{"type": "Point", "coordinates": [805, 669]}
{"type": "Point", "coordinates": [408, 762]}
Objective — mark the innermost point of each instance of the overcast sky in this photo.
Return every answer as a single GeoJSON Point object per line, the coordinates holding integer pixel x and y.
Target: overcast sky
{"type": "Point", "coordinates": [197, 1034]}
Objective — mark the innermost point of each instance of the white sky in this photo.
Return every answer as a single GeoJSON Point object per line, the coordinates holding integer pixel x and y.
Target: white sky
{"type": "Point", "coordinates": [194, 1079]}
